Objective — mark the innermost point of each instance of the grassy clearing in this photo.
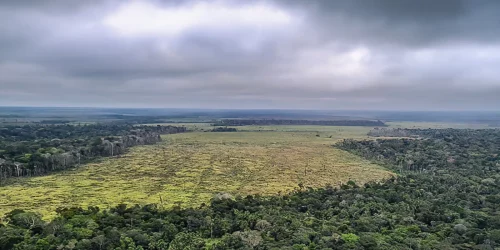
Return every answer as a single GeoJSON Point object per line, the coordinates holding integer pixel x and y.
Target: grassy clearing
{"type": "Point", "coordinates": [187, 169]}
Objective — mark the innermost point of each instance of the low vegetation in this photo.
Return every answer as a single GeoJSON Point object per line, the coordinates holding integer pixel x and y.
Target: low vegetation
{"type": "Point", "coordinates": [187, 169]}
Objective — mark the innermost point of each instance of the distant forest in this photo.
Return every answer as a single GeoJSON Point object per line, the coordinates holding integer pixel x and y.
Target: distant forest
{"type": "Point", "coordinates": [39, 149]}
{"type": "Point", "coordinates": [52, 115]}
{"type": "Point", "coordinates": [224, 129]}
{"type": "Point", "coordinates": [264, 122]}
{"type": "Point", "coordinates": [446, 196]}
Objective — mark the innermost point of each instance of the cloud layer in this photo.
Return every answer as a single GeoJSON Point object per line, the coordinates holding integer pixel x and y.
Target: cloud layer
{"type": "Point", "coordinates": [414, 55]}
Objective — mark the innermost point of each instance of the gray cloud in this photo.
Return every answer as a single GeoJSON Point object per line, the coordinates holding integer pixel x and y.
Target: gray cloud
{"type": "Point", "coordinates": [382, 54]}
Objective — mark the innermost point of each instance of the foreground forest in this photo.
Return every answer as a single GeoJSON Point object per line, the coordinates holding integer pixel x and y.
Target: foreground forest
{"type": "Point", "coordinates": [446, 197]}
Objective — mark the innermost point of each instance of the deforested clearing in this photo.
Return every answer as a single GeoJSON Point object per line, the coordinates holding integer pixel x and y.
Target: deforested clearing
{"type": "Point", "coordinates": [188, 169]}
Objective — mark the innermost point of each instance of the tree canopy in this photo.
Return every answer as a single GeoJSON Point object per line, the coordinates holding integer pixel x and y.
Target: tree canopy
{"type": "Point", "coordinates": [446, 197]}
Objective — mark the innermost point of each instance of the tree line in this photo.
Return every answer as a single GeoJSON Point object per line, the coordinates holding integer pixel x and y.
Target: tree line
{"type": "Point", "coordinates": [39, 149]}
{"type": "Point", "coordinates": [223, 129]}
{"type": "Point", "coordinates": [446, 196]}
{"type": "Point", "coordinates": [266, 122]}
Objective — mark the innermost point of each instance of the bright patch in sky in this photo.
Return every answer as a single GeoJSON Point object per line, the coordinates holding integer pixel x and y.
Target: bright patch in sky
{"type": "Point", "coordinates": [147, 19]}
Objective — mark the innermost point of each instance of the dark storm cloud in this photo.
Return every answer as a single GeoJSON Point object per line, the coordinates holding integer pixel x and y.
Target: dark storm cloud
{"type": "Point", "coordinates": [409, 23]}
{"type": "Point", "coordinates": [260, 54]}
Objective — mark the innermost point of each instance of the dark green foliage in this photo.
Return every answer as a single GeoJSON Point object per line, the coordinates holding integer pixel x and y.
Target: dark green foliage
{"type": "Point", "coordinates": [38, 149]}
{"type": "Point", "coordinates": [447, 197]}
{"type": "Point", "coordinates": [223, 129]}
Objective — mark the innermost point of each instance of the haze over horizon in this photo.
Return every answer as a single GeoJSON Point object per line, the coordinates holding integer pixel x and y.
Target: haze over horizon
{"type": "Point", "coordinates": [377, 55]}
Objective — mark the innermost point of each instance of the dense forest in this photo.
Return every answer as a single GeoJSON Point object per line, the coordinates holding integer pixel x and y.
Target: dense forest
{"type": "Point", "coordinates": [447, 196]}
{"type": "Point", "coordinates": [425, 133]}
{"type": "Point", "coordinates": [38, 149]}
{"type": "Point", "coordinates": [391, 132]}
{"type": "Point", "coordinates": [264, 122]}
{"type": "Point", "coordinates": [224, 129]}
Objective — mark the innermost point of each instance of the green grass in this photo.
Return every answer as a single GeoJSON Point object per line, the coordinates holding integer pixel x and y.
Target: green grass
{"type": "Point", "coordinates": [189, 168]}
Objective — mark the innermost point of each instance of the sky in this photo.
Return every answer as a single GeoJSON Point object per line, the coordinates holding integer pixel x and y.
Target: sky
{"type": "Point", "coordinates": [315, 54]}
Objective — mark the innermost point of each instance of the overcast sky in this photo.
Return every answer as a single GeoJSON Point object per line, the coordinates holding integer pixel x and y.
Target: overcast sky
{"type": "Point", "coordinates": [387, 54]}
